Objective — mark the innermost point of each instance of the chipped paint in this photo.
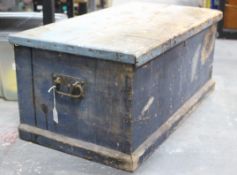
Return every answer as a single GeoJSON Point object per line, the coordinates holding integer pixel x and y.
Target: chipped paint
{"type": "Point", "coordinates": [195, 62]}
{"type": "Point", "coordinates": [146, 107]}
{"type": "Point", "coordinates": [208, 44]}
{"type": "Point", "coordinates": [103, 128]}
{"type": "Point", "coordinates": [119, 33]}
{"type": "Point", "coordinates": [149, 145]}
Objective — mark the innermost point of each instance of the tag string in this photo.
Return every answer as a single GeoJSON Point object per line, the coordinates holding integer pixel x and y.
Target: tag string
{"type": "Point", "coordinates": [55, 112]}
{"type": "Point", "coordinates": [50, 89]}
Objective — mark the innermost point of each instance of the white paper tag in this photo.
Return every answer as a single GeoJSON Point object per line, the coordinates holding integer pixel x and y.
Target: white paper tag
{"type": "Point", "coordinates": [55, 115]}
{"type": "Point", "coordinates": [55, 112]}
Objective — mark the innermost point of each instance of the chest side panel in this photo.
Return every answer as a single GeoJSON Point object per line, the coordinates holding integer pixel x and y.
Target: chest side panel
{"type": "Point", "coordinates": [102, 116]}
{"type": "Point", "coordinates": [163, 85]}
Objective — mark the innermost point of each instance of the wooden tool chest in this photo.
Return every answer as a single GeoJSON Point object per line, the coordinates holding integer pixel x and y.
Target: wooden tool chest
{"type": "Point", "coordinates": [110, 86]}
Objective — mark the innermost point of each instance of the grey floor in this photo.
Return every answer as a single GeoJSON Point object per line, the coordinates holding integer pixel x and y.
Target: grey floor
{"type": "Point", "coordinates": [204, 144]}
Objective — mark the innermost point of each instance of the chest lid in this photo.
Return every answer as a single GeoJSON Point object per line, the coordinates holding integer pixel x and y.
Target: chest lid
{"type": "Point", "coordinates": [133, 33]}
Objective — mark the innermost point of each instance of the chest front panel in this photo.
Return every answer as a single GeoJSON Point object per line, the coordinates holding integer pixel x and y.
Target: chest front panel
{"type": "Point", "coordinates": [101, 115]}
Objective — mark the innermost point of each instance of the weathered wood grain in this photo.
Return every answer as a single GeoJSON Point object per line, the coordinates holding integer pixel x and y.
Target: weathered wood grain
{"type": "Point", "coordinates": [25, 85]}
{"type": "Point", "coordinates": [90, 151]}
{"type": "Point", "coordinates": [134, 33]}
{"type": "Point", "coordinates": [125, 109]}
{"type": "Point", "coordinates": [142, 70]}
{"type": "Point", "coordinates": [164, 84]}
{"type": "Point", "coordinates": [103, 116]}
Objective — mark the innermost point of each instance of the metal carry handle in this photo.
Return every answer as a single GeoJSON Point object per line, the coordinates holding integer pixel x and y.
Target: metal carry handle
{"type": "Point", "coordinates": [76, 85]}
{"type": "Point", "coordinates": [76, 91]}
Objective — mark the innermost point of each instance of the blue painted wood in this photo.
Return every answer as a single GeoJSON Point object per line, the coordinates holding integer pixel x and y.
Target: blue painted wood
{"type": "Point", "coordinates": [74, 150]}
{"type": "Point", "coordinates": [25, 80]}
{"type": "Point", "coordinates": [129, 94]}
{"type": "Point", "coordinates": [102, 116]}
{"type": "Point", "coordinates": [169, 81]}
{"type": "Point", "coordinates": [123, 105]}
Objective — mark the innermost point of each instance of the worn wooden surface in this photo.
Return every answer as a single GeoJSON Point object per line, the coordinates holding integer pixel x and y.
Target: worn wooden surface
{"type": "Point", "coordinates": [77, 147]}
{"type": "Point", "coordinates": [164, 84]}
{"type": "Point", "coordinates": [25, 85]}
{"type": "Point", "coordinates": [102, 116]}
{"type": "Point", "coordinates": [133, 33]}
{"type": "Point", "coordinates": [156, 138]}
{"type": "Point", "coordinates": [128, 162]}
{"type": "Point", "coordinates": [128, 107]}
{"type": "Point", "coordinates": [123, 108]}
